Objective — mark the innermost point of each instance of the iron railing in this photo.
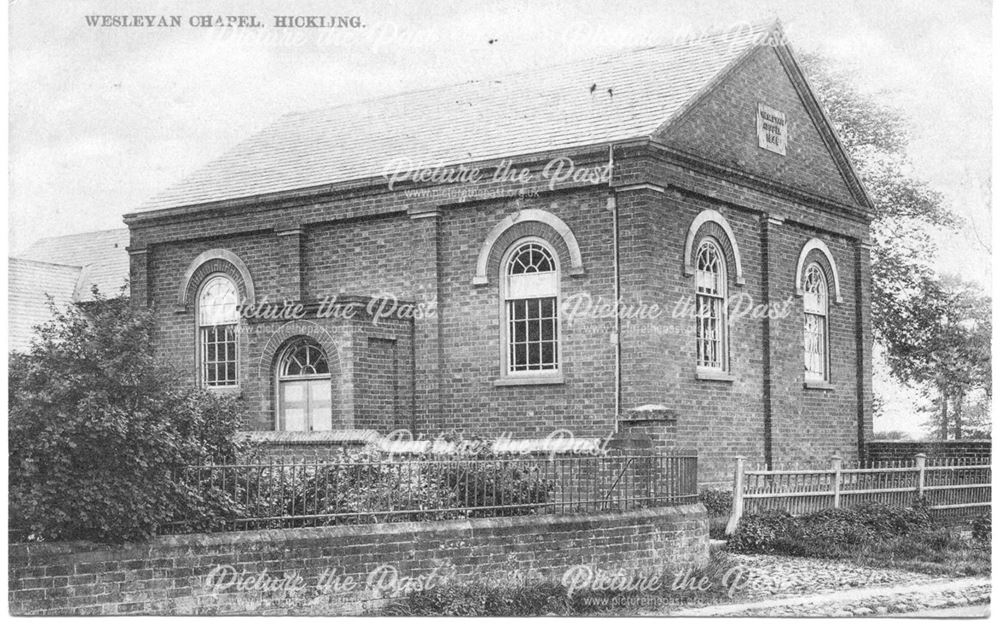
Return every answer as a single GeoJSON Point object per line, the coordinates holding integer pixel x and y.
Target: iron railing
{"type": "Point", "coordinates": [288, 494]}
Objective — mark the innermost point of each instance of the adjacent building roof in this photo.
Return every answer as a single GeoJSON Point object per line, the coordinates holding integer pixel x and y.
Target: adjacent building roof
{"type": "Point", "coordinates": [62, 269]}
{"type": "Point", "coordinates": [623, 97]}
{"type": "Point", "coordinates": [102, 256]}
{"type": "Point", "coordinates": [30, 285]}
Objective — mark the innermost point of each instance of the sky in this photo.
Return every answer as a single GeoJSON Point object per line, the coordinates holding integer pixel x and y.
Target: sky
{"type": "Point", "coordinates": [103, 118]}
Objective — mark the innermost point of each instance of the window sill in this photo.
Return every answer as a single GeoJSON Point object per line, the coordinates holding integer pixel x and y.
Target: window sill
{"type": "Point", "coordinates": [518, 381]}
{"type": "Point", "coordinates": [710, 374]}
{"type": "Point", "coordinates": [235, 391]}
{"type": "Point", "coordinates": [818, 384]}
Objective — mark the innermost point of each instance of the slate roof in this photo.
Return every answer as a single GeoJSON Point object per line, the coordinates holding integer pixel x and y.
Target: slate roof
{"type": "Point", "coordinates": [29, 285]}
{"type": "Point", "coordinates": [101, 254]}
{"type": "Point", "coordinates": [626, 96]}
{"type": "Point", "coordinates": [63, 268]}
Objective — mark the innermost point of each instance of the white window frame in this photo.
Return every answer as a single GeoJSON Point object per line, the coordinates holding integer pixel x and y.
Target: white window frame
{"type": "Point", "coordinates": [816, 306]}
{"type": "Point", "coordinates": [722, 298]}
{"type": "Point", "coordinates": [283, 356]}
{"type": "Point", "coordinates": [200, 341]}
{"type": "Point", "coordinates": [505, 313]}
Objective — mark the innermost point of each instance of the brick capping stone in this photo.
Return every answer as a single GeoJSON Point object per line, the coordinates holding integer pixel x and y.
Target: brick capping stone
{"type": "Point", "coordinates": [885, 450]}
{"type": "Point", "coordinates": [649, 413]}
{"type": "Point", "coordinates": [169, 574]}
{"type": "Point", "coordinates": [332, 437]}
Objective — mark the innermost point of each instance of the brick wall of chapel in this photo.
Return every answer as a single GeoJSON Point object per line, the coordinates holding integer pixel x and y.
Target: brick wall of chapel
{"type": "Point", "coordinates": [371, 246]}
{"type": "Point", "coordinates": [388, 253]}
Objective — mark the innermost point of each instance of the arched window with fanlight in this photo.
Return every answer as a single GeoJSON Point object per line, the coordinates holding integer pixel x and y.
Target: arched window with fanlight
{"type": "Point", "coordinates": [530, 294]}
{"type": "Point", "coordinates": [711, 309]}
{"type": "Point", "coordinates": [815, 300]}
{"type": "Point", "coordinates": [304, 394]}
{"type": "Point", "coordinates": [218, 321]}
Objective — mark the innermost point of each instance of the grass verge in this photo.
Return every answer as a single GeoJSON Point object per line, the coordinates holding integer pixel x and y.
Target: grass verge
{"type": "Point", "coordinates": [873, 535]}
{"type": "Point", "coordinates": [613, 593]}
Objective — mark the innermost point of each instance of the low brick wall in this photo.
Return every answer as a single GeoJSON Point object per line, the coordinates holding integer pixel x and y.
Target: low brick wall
{"type": "Point", "coordinates": [906, 450]}
{"type": "Point", "coordinates": [343, 569]}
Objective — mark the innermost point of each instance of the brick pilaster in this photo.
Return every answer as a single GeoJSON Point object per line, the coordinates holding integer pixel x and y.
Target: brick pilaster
{"type": "Point", "coordinates": [863, 317]}
{"type": "Point", "coordinates": [139, 276]}
{"type": "Point", "coordinates": [427, 351]}
{"type": "Point", "coordinates": [771, 338]}
{"type": "Point", "coordinates": [290, 267]}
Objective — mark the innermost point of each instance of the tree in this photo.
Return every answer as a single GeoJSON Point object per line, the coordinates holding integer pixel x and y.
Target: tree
{"type": "Point", "coordinates": [977, 421]}
{"type": "Point", "coordinates": [941, 341]}
{"type": "Point", "coordinates": [98, 427]}
{"type": "Point", "coordinates": [921, 320]}
{"type": "Point", "coordinates": [907, 210]}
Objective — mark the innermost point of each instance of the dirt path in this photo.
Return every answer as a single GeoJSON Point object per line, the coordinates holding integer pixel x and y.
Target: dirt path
{"type": "Point", "coordinates": [791, 586]}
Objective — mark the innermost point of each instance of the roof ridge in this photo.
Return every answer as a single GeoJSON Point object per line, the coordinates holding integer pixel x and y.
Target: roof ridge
{"type": "Point", "coordinates": [762, 25]}
{"type": "Point", "coordinates": [86, 233]}
{"type": "Point", "coordinates": [78, 267]}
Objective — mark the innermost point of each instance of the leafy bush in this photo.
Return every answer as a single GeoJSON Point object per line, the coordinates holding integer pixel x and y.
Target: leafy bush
{"type": "Point", "coordinates": [98, 430]}
{"type": "Point", "coordinates": [361, 483]}
{"type": "Point", "coordinates": [718, 502]}
{"type": "Point", "coordinates": [760, 532]}
{"type": "Point", "coordinates": [982, 529]}
{"type": "Point", "coordinates": [365, 486]}
{"type": "Point", "coordinates": [827, 533]}
{"type": "Point", "coordinates": [887, 521]}
{"type": "Point", "coordinates": [496, 485]}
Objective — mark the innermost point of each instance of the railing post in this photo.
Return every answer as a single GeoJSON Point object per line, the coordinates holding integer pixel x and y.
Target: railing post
{"type": "Point", "coordinates": [837, 464]}
{"type": "Point", "coordinates": [921, 466]}
{"type": "Point", "coordinates": [737, 511]}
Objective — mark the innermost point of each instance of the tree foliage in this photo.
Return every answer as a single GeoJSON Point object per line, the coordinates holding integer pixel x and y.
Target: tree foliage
{"type": "Point", "coordinates": [907, 210]}
{"type": "Point", "coordinates": [935, 330]}
{"type": "Point", "coordinates": [942, 339]}
{"type": "Point", "coordinates": [97, 429]}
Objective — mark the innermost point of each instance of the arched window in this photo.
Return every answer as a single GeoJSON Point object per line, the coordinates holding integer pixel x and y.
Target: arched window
{"type": "Point", "coordinates": [304, 388]}
{"type": "Point", "coordinates": [710, 316]}
{"type": "Point", "coordinates": [530, 292]}
{"type": "Point", "coordinates": [815, 301]}
{"type": "Point", "coordinates": [218, 318]}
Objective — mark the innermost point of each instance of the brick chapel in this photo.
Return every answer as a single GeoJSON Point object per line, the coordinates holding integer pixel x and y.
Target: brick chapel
{"type": "Point", "coordinates": [671, 240]}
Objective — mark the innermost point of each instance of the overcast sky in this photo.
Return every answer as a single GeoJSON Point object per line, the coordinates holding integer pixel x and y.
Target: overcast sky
{"type": "Point", "coordinates": [102, 118]}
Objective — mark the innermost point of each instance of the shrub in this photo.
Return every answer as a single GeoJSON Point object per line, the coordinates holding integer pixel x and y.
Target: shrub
{"type": "Point", "coordinates": [360, 482]}
{"type": "Point", "coordinates": [759, 532]}
{"type": "Point", "coordinates": [365, 486]}
{"type": "Point", "coordinates": [497, 484]}
{"type": "Point", "coordinates": [98, 431]}
{"type": "Point", "coordinates": [982, 529]}
{"type": "Point", "coordinates": [827, 533]}
{"type": "Point", "coordinates": [886, 521]}
{"type": "Point", "coordinates": [718, 502]}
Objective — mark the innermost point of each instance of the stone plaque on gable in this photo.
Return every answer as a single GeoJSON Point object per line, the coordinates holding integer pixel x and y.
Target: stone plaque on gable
{"type": "Point", "coordinates": [772, 129]}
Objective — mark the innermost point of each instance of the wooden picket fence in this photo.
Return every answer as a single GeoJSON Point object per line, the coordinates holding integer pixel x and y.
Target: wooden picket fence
{"type": "Point", "coordinates": [952, 487]}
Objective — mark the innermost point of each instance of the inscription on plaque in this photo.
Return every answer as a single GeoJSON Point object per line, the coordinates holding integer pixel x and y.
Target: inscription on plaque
{"type": "Point", "coordinates": [772, 129]}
